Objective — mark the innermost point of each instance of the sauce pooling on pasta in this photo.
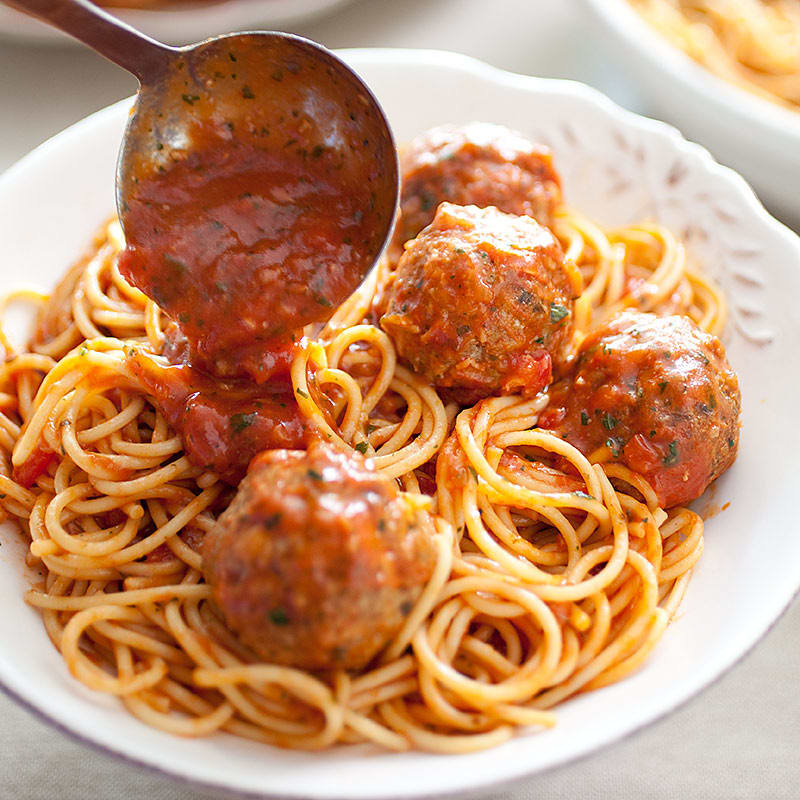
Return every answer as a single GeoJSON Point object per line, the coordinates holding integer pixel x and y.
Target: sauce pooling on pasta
{"type": "Point", "coordinates": [223, 423]}
{"type": "Point", "coordinates": [257, 216]}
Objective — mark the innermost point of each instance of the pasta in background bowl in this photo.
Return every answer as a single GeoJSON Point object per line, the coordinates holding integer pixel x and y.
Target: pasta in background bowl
{"type": "Point", "coordinates": [744, 126]}
{"type": "Point", "coordinates": [754, 44]}
{"type": "Point", "coordinates": [627, 169]}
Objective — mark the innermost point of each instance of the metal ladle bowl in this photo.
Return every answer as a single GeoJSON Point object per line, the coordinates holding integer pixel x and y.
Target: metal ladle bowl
{"type": "Point", "coordinates": [246, 80]}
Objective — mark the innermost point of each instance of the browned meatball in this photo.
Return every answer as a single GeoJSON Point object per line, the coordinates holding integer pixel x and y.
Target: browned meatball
{"type": "Point", "coordinates": [479, 164]}
{"type": "Point", "coordinates": [481, 302]}
{"type": "Point", "coordinates": [660, 395]}
{"type": "Point", "coordinates": [318, 560]}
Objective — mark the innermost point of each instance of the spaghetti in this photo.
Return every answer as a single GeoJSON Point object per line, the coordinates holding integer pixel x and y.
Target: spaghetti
{"type": "Point", "coordinates": [545, 584]}
{"type": "Point", "coordinates": [754, 44]}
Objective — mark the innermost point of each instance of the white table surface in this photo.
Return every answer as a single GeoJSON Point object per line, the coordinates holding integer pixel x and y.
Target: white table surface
{"type": "Point", "coordinates": [739, 739]}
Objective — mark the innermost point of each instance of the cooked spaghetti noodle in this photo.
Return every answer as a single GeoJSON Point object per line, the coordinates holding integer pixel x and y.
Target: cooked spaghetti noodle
{"type": "Point", "coordinates": [754, 44]}
{"type": "Point", "coordinates": [545, 584]}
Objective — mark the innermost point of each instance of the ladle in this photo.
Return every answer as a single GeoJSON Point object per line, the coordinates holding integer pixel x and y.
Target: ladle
{"type": "Point", "coordinates": [269, 117]}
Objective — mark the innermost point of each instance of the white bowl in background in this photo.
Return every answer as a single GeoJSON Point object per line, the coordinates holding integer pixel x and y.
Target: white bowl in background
{"type": "Point", "coordinates": [185, 23]}
{"type": "Point", "coordinates": [758, 138]}
{"type": "Point", "coordinates": [617, 167]}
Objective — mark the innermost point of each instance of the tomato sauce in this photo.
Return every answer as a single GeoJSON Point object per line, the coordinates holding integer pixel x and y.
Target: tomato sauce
{"type": "Point", "coordinates": [244, 246]}
{"type": "Point", "coordinates": [253, 211]}
{"type": "Point", "coordinates": [37, 463]}
{"type": "Point", "coordinates": [260, 211]}
{"type": "Point", "coordinates": [224, 423]}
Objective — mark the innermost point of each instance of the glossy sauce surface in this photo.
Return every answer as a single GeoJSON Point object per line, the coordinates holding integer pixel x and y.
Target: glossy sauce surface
{"type": "Point", "coordinates": [223, 423]}
{"type": "Point", "coordinates": [264, 212]}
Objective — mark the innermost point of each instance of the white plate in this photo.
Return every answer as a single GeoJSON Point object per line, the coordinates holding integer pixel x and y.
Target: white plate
{"type": "Point", "coordinates": [617, 167]}
{"type": "Point", "coordinates": [184, 24]}
{"type": "Point", "coordinates": [758, 138]}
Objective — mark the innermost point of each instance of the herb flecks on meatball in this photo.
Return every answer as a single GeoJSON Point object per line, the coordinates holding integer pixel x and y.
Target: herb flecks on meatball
{"type": "Point", "coordinates": [481, 303]}
{"type": "Point", "coordinates": [318, 560]}
{"type": "Point", "coordinates": [659, 394]}
{"type": "Point", "coordinates": [480, 164]}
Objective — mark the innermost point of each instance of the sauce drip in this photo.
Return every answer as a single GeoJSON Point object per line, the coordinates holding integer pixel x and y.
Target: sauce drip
{"type": "Point", "coordinates": [223, 423]}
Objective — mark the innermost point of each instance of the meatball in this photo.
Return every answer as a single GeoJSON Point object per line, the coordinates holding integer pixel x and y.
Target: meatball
{"type": "Point", "coordinates": [660, 395]}
{"type": "Point", "coordinates": [318, 560]}
{"type": "Point", "coordinates": [476, 164]}
{"type": "Point", "coordinates": [481, 302]}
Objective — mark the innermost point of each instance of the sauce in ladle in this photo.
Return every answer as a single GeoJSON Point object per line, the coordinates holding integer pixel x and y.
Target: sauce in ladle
{"type": "Point", "coordinates": [264, 220]}
{"type": "Point", "coordinates": [252, 216]}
